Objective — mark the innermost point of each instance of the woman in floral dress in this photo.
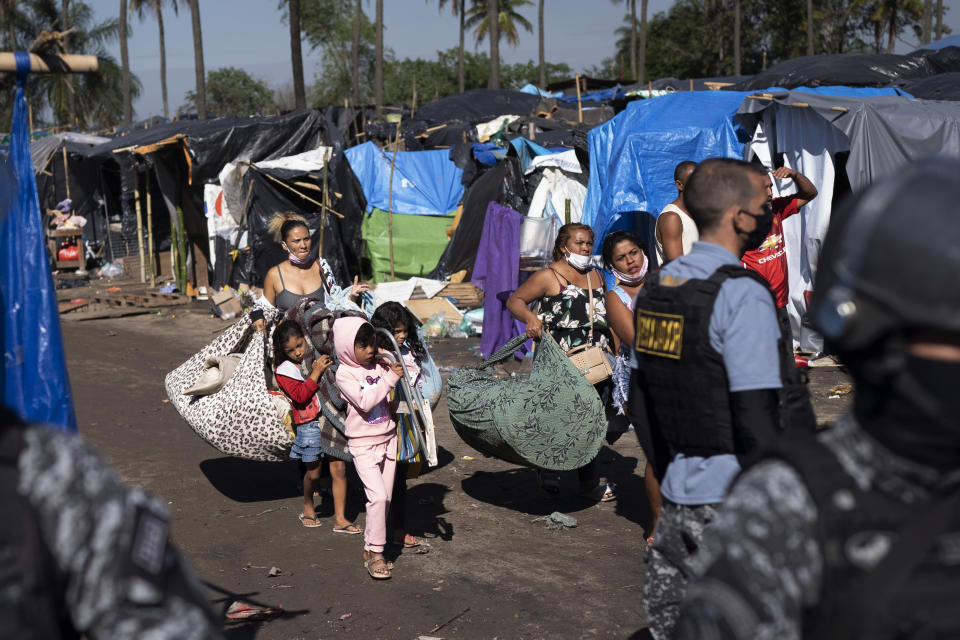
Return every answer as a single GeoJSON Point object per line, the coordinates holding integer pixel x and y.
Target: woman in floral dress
{"type": "Point", "coordinates": [562, 296]}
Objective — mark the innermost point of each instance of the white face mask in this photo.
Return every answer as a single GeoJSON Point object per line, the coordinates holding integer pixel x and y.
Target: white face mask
{"type": "Point", "coordinates": [578, 262]}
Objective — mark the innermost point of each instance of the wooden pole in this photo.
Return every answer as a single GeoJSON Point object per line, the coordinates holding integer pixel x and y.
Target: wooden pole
{"type": "Point", "coordinates": [579, 105]}
{"type": "Point", "coordinates": [325, 197]}
{"type": "Point", "coordinates": [136, 201]}
{"type": "Point", "coordinates": [413, 108]}
{"type": "Point", "coordinates": [393, 164]}
{"type": "Point", "coordinates": [153, 270]}
{"type": "Point", "coordinates": [30, 120]}
{"type": "Point", "coordinates": [566, 211]}
{"type": "Point", "coordinates": [52, 63]}
{"type": "Point", "coordinates": [691, 84]}
{"type": "Point", "coordinates": [66, 173]}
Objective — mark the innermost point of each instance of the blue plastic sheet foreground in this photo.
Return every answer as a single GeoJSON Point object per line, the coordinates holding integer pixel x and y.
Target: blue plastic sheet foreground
{"type": "Point", "coordinates": [34, 374]}
{"type": "Point", "coordinates": [425, 183]}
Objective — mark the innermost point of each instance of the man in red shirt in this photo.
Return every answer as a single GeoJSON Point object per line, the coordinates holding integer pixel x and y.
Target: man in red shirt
{"type": "Point", "coordinates": [770, 258]}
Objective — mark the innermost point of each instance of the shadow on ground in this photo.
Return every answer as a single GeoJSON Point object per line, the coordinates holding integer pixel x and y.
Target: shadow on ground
{"type": "Point", "coordinates": [517, 489]}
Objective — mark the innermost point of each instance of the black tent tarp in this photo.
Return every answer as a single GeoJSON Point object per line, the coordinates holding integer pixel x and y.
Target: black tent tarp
{"type": "Point", "coordinates": [943, 86]}
{"type": "Point", "coordinates": [477, 105]}
{"type": "Point", "coordinates": [854, 69]}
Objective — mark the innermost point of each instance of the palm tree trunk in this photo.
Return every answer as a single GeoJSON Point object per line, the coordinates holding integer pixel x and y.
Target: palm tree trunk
{"type": "Point", "coordinates": [927, 21]}
{"type": "Point", "coordinates": [463, 9]}
{"type": "Point", "coordinates": [356, 53]}
{"type": "Point", "coordinates": [642, 51]}
{"type": "Point", "coordinates": [736, 37]}
{"type": "Point", "coordinates": [163, 62]}
{"type": "Point", "coordinates": [809, 27]}
{"type": "Point", "coordinates": [379, 54]}
{"type": "Point", "coordinates": [296, 56]}
{"type": "Point", "coordinates": [939, 29]}
{"type": "Point", "coordinates": [198, 59]}
{"type": "Point", "coordinates": [633, 40]}
{"type": "Point", "coordinates": [71, 98]}
{"type": "Point", "coordinates": [493, 32]}
{"type": "Point", "coordinates": [892, 25]}
{"type": "Point", "coordinates": [543, 65]}
{"type": "Point", "coordinates": [125, 65]}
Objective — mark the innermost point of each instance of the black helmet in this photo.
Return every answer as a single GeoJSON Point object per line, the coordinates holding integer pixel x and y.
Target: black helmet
{"type": "Point", "coordinates": [891, 259]}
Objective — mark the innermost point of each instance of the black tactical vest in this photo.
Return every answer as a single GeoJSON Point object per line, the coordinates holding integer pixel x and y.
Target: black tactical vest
{"type": "Point", "coordinates": [685, 375]}
{"type": "Point", "coordinates": [856, 528]}
{"type": "Point", "coordinates": [29, 606]}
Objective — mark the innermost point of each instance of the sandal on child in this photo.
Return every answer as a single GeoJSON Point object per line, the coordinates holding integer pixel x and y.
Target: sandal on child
{"type": "Point", "coordinates": [410, 542]}
{"type": "Point", "coordinates": [313, 521]}
{"type": "Point", "coordinates": [378, 568]}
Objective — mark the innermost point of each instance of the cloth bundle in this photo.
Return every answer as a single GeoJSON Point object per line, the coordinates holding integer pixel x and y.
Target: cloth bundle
{"type": "Point", "coordinates": [551, 419]}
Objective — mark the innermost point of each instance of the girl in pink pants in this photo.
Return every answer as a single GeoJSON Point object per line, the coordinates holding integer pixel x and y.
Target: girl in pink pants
{"type": "Point", "coordinates": [365, 383]}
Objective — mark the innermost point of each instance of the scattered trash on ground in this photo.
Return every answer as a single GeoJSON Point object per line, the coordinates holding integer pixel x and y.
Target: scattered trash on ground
{"type": "Point", "coordinates": [557, 521]}
{"type": "Point", "coordinates": [841, 389]}
{"type": "Point", "coordinates": [468, 458]}
{"type": "Point", "coordinates": [246, 611]}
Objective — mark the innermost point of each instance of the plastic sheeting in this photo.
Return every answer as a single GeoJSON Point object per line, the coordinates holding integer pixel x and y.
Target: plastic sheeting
{"type": "Point", "coordinates": [418, 242]}
{"type": "Point", "coordinates": [425, 183]}
{"type": "Point", "coordinates": [477, 105]}
{"type": "Point", "coordinates": [943, 86]}
{"type": "Point", "coordinates": [34, 376]}
{"type": "Point", "coordinates": [632, 157]}
{"type": "Point", "coordinates": [854, 69]}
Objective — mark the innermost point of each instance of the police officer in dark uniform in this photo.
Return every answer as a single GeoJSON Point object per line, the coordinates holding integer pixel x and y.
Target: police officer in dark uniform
{"type": "Point", "coordinates": [712, 366]}
{"type": "Point", "coordinates": [82, 554]}
{"type": "Point", "coordinates": [856, 533]}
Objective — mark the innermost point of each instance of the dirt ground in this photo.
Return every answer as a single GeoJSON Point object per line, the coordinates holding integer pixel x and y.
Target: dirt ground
{"type": "Point", "coordinates": [491, 571]}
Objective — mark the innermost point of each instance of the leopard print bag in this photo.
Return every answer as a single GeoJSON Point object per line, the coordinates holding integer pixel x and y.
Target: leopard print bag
{"type": "Point", "coordinates": [240, 419]}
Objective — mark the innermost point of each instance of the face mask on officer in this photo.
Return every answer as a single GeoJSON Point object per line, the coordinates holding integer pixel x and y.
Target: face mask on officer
{"type": "Point", "coordinates": [764, 222]}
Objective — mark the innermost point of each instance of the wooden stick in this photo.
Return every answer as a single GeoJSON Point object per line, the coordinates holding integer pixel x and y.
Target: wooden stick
{"type": "Point", "coordinates": [393, 165]}
{"type": "Point", "coordinates": [799, 104]}
{"type": "Point", "coordinates": [299, 193]}
{"type": "Point", "coordinates": [413, 109]}
{"type": "Point", "coordinates": [325, 196]}
{"type": "Point", "coordinates": [136, 201]}
{"type": "Point", "coordinates": [52, 63]}
{"type": "Point", "coordinates": [153, 270]}
{"type": "Point", "coordinates": [843, 109]}
{"type": "Point", "coordinates": [66, 173]}
{"type": "Point", "coordinates": [30, 120]}
{"type": "Point", "coordinates": [579, 105]}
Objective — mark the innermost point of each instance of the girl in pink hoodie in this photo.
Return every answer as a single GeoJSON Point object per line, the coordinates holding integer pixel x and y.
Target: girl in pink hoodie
{"type": "Point", "coordinates": [365, 382]}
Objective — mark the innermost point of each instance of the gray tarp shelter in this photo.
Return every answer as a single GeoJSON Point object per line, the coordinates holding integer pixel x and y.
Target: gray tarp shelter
{"type": "Point", "coordinates": [884, 132]}
{"type": "Point", "coordinates": [841, 144]}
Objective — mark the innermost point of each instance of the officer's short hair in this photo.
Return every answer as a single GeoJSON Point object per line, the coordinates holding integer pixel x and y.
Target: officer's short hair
{"type": "Point", "coordinates": [682, 171]}
{"type": "Point", "coordinates": [715, 185]}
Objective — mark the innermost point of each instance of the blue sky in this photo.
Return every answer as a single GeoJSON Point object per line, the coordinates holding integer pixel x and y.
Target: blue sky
{"type": "Point", "coordinates": [250, 34]}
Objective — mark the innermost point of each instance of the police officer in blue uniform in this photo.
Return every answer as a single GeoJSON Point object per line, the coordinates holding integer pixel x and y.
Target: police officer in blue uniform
{"type": "Point", "coordinates": [712, 363]}
{"type": "Point", "coordinates": [855, 533]}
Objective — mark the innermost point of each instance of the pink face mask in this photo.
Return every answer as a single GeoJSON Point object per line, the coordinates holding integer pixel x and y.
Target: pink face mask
{"type": "Point", "coordinates": [632, 281]}
{"type": "Point", "coordinates": [297, 261]}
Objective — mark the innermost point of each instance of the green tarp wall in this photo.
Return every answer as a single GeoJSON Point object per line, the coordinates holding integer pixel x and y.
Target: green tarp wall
{"type": "Point", "coordinates": [418, 242]}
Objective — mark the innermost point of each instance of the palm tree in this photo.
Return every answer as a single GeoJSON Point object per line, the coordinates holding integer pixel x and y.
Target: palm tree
{"type": "Point", "coordinates": [642, 51]}
{"type": "Point", "coordinates": [736, 37]}
{"type": "Point", "coordinates": [809, 27]}
{"type": "Point", "coordinates": [71, 101]}
{"type": "Point", "coordinates": [378, 73]}
{"type": "Point", "coordinates": [144, 8]}
{"type": "Point", "coordinates": [97, 97]}
{"type": "Point", "coordinates": [457, 7]}
{"type": "Point", "coordinates": [296, 55]}
{"type": "Point", "coordinates": [201, 98]}
{"type": "Point", "coordinates": [543, 65]}
{"type": "Point", "coordinates": [633, 34]}
{"type": "Point", "coordinates": [356, 52]}
{"type": "Point", "coordinates": [125, 64]}
{"type": "Point", "coordinates": [478, 18]}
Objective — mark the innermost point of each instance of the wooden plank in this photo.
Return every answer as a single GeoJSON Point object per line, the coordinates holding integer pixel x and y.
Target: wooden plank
{"type": "Point", "coordinates": [68, 306]}
{"type": "Point", "coordinates": [52, 63]}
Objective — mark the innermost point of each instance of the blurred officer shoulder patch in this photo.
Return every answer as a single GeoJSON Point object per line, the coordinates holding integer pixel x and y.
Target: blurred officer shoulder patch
{"type": "Point", "coordinates": [659, 334]}
{"type": "Point", "coordinates": [149, 541]}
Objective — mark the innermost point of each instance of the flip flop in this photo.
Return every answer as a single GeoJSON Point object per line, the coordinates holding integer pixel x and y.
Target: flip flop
{"type": "Point", "coordinates": [304, 518]}
{"type": "Point", "coordinates": [346, 529]}
{"type": "Point", "coordinates": [245, 611]}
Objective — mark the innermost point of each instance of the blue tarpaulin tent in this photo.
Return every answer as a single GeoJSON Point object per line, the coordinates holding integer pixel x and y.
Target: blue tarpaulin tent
{"type": "Point", "coordinates": [424, 182]}
{"type": "Point", "coordinates": [34, 375]}
{"type": "Point", "coordinates": [632, 157]}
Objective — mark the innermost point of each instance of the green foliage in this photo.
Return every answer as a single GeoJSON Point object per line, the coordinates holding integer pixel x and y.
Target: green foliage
{"type": "Point", "coordinates": [99, 101]}
{"type": "Point", "coordinates": [438, 78]}
{"type": "Point", "coordinates": [507, 17]}
{"type": "Point", "coordinates": [233, 92]}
